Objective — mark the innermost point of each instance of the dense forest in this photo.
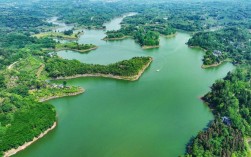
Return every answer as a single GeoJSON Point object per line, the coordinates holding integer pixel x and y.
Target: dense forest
{"type": "Point", "coordinates": [218, 140]}
{"type": "Point", "coordinates": [23, 83]}
{"type": "Point", "coordinates": [57, 67]}
{"type": "Point", "coordinates": [232, 42]}
{"type": "Point", "coordinates": [230, 98]}
{"type": "Point", "coordinates": [22, 120]}
{"type": "Point", "coordinates": [21, 117]}
{"type": "Point", "coordinates": [149, 38]}
{"type": "Point", "coordinates": [22, 20]}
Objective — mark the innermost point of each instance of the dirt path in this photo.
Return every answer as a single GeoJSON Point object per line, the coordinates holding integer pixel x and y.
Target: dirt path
{"type": "Point", "coordinates": [11, 66]}
{"type": "Point", "coordinates": [40, 69]}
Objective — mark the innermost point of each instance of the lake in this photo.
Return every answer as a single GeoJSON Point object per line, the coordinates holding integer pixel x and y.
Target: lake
{"type": "Point", "coordinates": [152, 117]}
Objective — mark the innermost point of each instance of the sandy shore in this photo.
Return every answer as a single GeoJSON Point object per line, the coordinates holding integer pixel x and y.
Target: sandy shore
{"type": "Point", "coordinates": [129, 78]}
{"type": "Point", "coordinates": [150, 47]}
{"type": "Point", "coordinates": [210, 66]}
{"type": "Point", "coordinates": [27, 144]}
{"type": "Point", "coordinates": [61, 96]}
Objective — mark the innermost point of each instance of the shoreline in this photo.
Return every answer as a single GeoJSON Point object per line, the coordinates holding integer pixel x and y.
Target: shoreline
{"type": "Point", "coordinates": [197, 47]}
{"type": "Point", "coordinates": [203, 66]}
{"type": "Point", "coordinates": [27, 144]}
{"type": "Point", "coordinates": [80, 51]}
{"type": "Point", "coordinates": [213, 65]}
{"type": "Point", "coordinates": [150, 47]}
{"type": "Point", "coordinates": [82, 90]}
{"type": "Point", "coordinates": [57, 36]}
{"type": "Point", "coordinates": [128, 78]}
{"type": "Point", "coordinates": [169, 36]}
{"type": "Point", "coordinates": [114, 39]}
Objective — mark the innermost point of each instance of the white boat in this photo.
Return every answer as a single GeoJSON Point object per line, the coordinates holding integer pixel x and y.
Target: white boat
{"type": "Point", "coordinates": [158, 70]}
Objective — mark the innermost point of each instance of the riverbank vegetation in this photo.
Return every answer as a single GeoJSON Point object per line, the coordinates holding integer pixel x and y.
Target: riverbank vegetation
{"type": "Point", "coordinates": [53, 91]}
{"type": "Point", "coordinates": [146, 38]}
{"type": "Point", "coordinates": [144, 29]}
{"type": "Point", "coordinates": [74, 46]}
{"type": "Point", "coordinates": [230, 97]}
{"type": "Point", "coordinates": [233, 43]}
{"type": "Point", "coordinates": [22, 119]}
{"type": "Point", "coordinates": [218, 140]}
{"type": "Point", "coordinates": [23, 84]}
{"type": "Point", "coordinates": [230, 102]}
{"type": "Point", "coordinates": [57, 35]}
{"type": "Point", "coordinates": [24, 62]}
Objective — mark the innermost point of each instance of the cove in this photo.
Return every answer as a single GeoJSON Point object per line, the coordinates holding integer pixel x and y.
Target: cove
{"type": "Point", "coordinates": [152, 117]}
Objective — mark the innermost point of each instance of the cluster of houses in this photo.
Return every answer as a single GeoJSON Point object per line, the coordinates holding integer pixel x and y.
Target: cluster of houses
{"type": "Point", "coordinates": [60, 86]}
{"type": "Point", "coordinates": [226, 120]}
{"type": "Point", "coordinates": [52, 54]}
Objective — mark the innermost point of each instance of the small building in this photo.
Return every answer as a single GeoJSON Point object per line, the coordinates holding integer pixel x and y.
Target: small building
{"type": "Point", "coordinates": [54, 85]}
{"type": "Point", "coordinates": [226, 120]}
{"type": "Point", "coordinates": [60, 86]}
{"type": "Point", "coordinates": [52, 54]}
{"type": "Point", "coordinates": [217, 53]}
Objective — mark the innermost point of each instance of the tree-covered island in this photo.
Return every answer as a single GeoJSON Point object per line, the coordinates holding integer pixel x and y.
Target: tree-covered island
{"type": "Point", "coordinates": [145, 29]}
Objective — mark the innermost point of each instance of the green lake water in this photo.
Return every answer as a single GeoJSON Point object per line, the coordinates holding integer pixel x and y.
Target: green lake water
{"type": "Point", "coordinates": [152, 117]}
